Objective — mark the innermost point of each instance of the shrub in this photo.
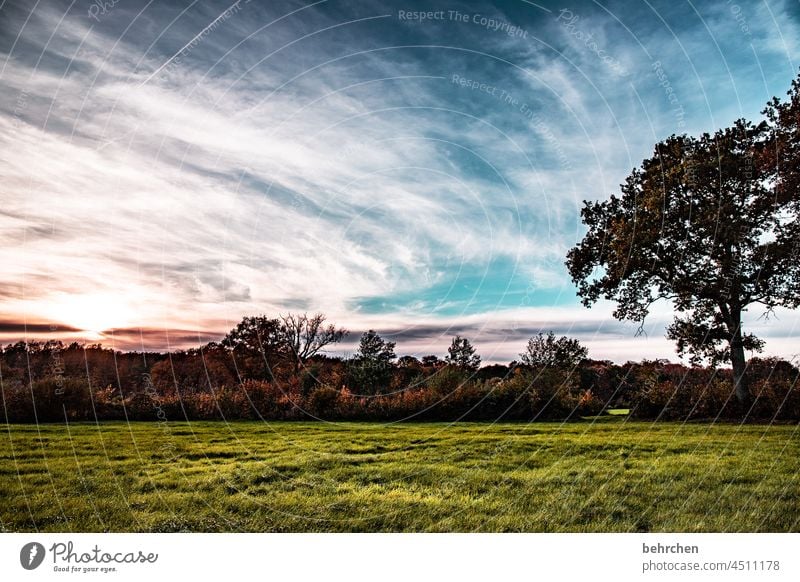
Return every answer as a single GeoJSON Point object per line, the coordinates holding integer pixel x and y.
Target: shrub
{"type": "Point", "coordinates": [323, 402]}
{"type": "Point", "coordinates": [775, 389]}
{"type": "Point", "coordinates": [446, 380]}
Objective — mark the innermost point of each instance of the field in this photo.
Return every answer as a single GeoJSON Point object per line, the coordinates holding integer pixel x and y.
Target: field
{"type": "Point", "coordinates": [609, 475]}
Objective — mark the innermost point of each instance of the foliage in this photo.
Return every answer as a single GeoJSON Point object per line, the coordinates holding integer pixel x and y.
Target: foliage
{"type": "Point", "coordinates": [410, 362]}
{"type": "Point", "coordinates": [462, 355]}
{"type": "Point", "coordinates": [782, 156]}
{"type": "Point", "coordinates": [305, 336]}
{"type": "Point", "coordinates": [545, 351]}
{"type": "Point", "coordinates": [446, 380]}
{"type": "Point", "coordinates": [371, 368]}
{"type": "Point", "coordinates": [697, 224]}
{"type": "Point", "coordinates": [258, 345]}
{"type": "Point", "coordinates": [432, 361]}
{"type": "Point", "coordinates": [64, 381]}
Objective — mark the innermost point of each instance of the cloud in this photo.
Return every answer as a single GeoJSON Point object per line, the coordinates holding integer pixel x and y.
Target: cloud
{"type": "Point", "coordinates": [17, 327]}
{"type": "Point", "coordinates": [323, 158]}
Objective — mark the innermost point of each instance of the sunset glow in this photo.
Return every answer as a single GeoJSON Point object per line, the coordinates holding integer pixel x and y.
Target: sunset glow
{"type": "Point", "coordinates": [182, 181]}
{"type": "Point", "coordinates": [94, 313]}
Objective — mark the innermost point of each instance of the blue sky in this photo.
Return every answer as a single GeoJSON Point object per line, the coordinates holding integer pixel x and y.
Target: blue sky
{"type": "Point", "coordinates": [170, 167]}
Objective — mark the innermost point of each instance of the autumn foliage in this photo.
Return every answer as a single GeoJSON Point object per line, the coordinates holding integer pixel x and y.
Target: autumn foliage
{"type": "Point", "coordinates": [51, 382]}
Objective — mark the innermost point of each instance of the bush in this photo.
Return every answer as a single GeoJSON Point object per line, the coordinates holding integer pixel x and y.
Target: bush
{"type": "Point", "coordinates": [446, 380]}
{"type": "Point", "coordinates": [775, 389]}
{"type": "Point", "coordinates": [52, 399]}
{"type": "Point", "coordinates": [199, 385]}
{"type": "Point", "coordinates": [323, 402]}
{"type": "Point", "coordinates": [671, 392]}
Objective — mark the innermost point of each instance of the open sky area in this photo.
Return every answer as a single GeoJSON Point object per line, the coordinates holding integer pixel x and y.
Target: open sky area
{"type": "Point", "coordinates": [168, 167]}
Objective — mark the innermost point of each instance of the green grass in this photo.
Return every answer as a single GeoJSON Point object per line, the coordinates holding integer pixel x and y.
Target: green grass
{"type": "Point", "coordinates": [543, 477]}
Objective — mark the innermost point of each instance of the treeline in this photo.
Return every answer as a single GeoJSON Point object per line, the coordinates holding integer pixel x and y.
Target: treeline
{"type": "Point", "coordinates": [273, 369]}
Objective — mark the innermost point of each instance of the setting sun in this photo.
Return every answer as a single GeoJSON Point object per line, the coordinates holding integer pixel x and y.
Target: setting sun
{"type": "Point", "coordinates": [93, 313]}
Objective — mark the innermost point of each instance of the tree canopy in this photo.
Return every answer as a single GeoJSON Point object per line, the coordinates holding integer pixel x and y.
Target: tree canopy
{"type": "Point", "coordinates": [548, 351]}
{"type": "Point", "coordinates": [372, 363]}
{"type": "Point", "coordinates": [256, 334]}
{"type": "Point", "coordinates": [306, 336]}
{"type": "Point", "coordinates": [461, 354]}
{"type": "Point", "coordinates": [709, 223]}
{"type": "Point", "coordinates": [292, 338]}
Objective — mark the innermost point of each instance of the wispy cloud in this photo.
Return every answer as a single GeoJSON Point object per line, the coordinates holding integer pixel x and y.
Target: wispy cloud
{"type": "Point", "coordinates": [327, 158]}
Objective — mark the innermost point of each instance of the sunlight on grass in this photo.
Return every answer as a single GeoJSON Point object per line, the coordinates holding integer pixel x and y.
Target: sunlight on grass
{"type": "Point", "coordinates": [546, 477]}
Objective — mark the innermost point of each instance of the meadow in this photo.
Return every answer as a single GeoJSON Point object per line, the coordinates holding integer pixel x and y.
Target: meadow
{"type": "Point", "coordinates": [601, 475]}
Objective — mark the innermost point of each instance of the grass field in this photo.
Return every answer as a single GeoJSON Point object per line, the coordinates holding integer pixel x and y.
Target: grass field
{"type": "Point", "coordinates": [613, 475]}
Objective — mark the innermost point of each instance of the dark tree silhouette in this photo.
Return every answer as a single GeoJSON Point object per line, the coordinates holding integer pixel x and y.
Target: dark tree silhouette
{"type": "Point", "coordinates": [548, 351]}
{"type": "Point", "coordinates": [255, 334]}
{"type": "Point", "coordinates": [431, 361]}
{"type": "Point", "coordinates": [306, 336]}
{"type": "Point", "coordinates": [373, 348]}
{"type": "Point", "coordinates": [257, 343]}
{"type": "Point", "coordinates": [782, 158]}
{"type": "Point", "coordinates": [409, 362]}
{"type": "Point", "coordinates": [462, 355]}
{"type": "Point", "coordinates": [372, 364]}
{"type": "Point", "coordinates": [698, 224]}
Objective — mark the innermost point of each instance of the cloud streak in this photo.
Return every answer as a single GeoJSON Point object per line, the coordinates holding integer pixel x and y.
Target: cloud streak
{"type": "Point", "coordinates": [171, 169]}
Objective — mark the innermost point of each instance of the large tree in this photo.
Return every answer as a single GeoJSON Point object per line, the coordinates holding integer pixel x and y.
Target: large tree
{"type": "Point", "coordinates": [782, 156]}
{"type": "Point", "coordinates": [372, 365]}
{"type": "Point", "coordinates": [304, 336]}
{"type": "Point", "coordinates": [257, 333]}
{"type": "Point", "coordinates": [461, 354]}
{"type": "Point", "coordinates": [264, 341]}
{"type": "Point", "coordinates": [374, 350]}
{"type": "Point", "coordinates": [699, 224]}
{"type": "Point", "coordinates": [548, 351]}
{"type": "Point", "coordinates": [257, 343]}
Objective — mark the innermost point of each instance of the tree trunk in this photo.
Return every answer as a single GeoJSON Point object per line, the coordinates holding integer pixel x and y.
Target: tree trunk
{"type": "Point", "coordinates": [739, 363]}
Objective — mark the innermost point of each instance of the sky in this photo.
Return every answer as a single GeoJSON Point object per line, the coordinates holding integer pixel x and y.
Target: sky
{"type": "Point", "coordinates": [415, 168]}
